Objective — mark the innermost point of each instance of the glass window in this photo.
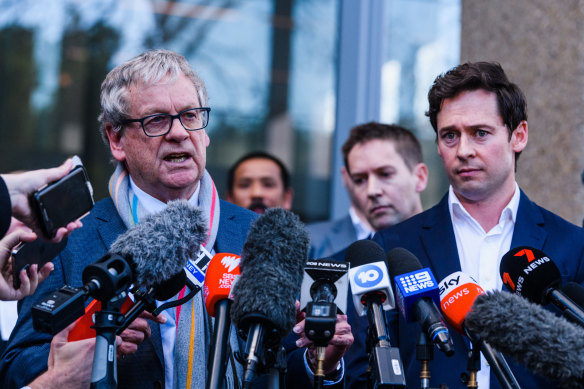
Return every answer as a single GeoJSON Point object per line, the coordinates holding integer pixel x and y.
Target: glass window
{"type": "Point", "coordinates": [269, 66]}
{"type": "Point", "coordinates": [423, 42]}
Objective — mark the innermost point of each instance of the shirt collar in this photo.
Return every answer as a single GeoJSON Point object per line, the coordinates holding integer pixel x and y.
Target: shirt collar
{"type": "Point", "coordinates": [361, 229]}
{"type": "Point", "coordinates": [509, 212]}
{"type": "Point", "coordinates": [152, 204]}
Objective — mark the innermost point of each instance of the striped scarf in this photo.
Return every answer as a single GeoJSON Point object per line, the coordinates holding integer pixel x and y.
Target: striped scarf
{"type": "Point", "coordinates": [194, 329]}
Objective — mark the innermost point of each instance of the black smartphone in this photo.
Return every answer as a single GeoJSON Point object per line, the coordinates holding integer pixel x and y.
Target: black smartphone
{"type": "Point", "coordinates": [65, 200]}
{"type": "Point", "coordinates": [29, 253]}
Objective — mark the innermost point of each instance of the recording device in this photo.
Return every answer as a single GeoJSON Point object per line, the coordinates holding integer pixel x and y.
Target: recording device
{"type": "Point", "coordinates": [272, 264]}
{"type": "Point", "coordinates": [157, 250]}
{"type": "Point", "coordinates": [324, 282]}
{"type": "Point", "coordinates": [418, 296]}
{"type": "Point", "coordinates": [103, 280]}
{"type": "Point", "coordinates": [530, 273]}
{"type": "Point", "coordinates": [546, 344]}
{"type": "Point", "coordinates": [323, 294]}
{"type": "Point", "coordinates": [372, 295]}
{"type": "Point", "coordinates": [36, 252]}
{"type": "Point", "coordinates": [458, 292]}
{"type": "Point", "coordinates": [222, 273]}
{"type": "Point", "coordinates": [65, 200]}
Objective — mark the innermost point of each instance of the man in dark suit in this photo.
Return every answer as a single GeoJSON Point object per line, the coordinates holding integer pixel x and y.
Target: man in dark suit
{"type": "Point", "coordinates": [480, 119]}
{"type": "Point", "coordinates": [159, 159]}
{"type": "Point", "coordinates": [384, 174]}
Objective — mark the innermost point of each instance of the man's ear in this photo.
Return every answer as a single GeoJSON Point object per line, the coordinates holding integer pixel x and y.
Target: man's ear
{"type": "Point", "coordinates": [421, 174]}
{"type": "Point", "coordinates": [288, 197]}
{"type": "Point", "coordinates": [115, 142]}
{"type": "Point", "coordinates": [519, 137]}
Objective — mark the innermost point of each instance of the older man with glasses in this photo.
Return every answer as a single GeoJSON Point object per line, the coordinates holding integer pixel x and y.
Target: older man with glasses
{"type": "Point", "coordinates": [159, 159]}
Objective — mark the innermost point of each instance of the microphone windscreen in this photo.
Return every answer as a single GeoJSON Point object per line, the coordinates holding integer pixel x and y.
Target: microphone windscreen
{"type": "Point", "coordinates": [458, 291]}
{"type": "Point", "coordinates": [530, 273]}
{"type": "Point", "coordinates": [363, 252]}
{"type": "Point", "coordinates": [401, 261]}
{"type": "Point", "coordinates": [160, 245]}
{"type": "Point", "coordinates": [272, 268]}
{"type": "Point", "coordinates": [548, 345]}
{"type": "Point", "coordinates": [221, 274]}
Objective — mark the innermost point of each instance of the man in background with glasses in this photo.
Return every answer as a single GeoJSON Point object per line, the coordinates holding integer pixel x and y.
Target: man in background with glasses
{"type": "Point", "coordinates": [154, 111]}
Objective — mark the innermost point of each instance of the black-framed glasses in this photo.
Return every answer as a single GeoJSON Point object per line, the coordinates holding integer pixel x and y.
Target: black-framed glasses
{"type": "Point", "coordinates": [159, 124]}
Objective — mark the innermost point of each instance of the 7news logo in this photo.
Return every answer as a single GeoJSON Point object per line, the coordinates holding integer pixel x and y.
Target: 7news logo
{"type": "Point", "coordinates": [415, 282]}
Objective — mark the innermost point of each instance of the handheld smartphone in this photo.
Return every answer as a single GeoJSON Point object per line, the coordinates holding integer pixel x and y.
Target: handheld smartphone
{"type": "Point", "coordinates": [35, 252]}
{"type": "Point", "coordinates": [65, 200]}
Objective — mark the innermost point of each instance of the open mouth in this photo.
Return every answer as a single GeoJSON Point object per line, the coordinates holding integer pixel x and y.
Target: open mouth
{"type": "Point", "coordinates": [258, 207]}
{"type": "Point", "coordinates": [176, 157]}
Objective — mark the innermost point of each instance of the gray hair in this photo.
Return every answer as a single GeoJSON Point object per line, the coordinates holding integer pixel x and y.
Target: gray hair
{"type": "Point", "coordinates": [148, 68]}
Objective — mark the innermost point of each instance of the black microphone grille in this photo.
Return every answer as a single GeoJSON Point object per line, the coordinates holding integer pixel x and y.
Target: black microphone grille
{"type": "Point", "coordinates": [529, 272]}
{"type": "Point", "coordinates": [401, 261]}
{"type": "Point", "coordinates": [363, 252]}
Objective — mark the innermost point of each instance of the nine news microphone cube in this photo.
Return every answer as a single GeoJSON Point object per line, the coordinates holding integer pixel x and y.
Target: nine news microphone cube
{"type": "Point", "coordinates": [369, 278]}
{"type": "Point", "coordinates": [329, 270]}
{"type": "Point", "coordinates": [410, 287]}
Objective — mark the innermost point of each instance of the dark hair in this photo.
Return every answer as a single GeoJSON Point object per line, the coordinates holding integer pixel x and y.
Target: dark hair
{"type": "Point", "coordinates": [406, 144]}
{"type": "Point", "coordinates": [470, 76]}
{"type": "Point", "coordinates": [258, 155]}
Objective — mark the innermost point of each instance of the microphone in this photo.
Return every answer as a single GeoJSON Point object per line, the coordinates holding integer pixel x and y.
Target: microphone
{"type": "Point", "coordinates": [222, 272]}
{"type": "Point", "coordinates": [417, 297]}
{"type": "Point", "coordinates": [575, 292]}
{"type": "Point", "coordinates": [271, 266]}
{"type": "Point", "coordinates": [530, 273]}
{"type": "Point", "coordinates": [546, 344]}
{"type": "Point", "coordinates": [458, 292]}
{"type": "Point", "coordinates": [324, 287]}
{"type": "Point", "coordinates": [156, 250]}
{"type": "Point", "coordinates": [371, 291]}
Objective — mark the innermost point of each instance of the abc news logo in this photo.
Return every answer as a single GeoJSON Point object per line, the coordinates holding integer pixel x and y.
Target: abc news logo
{"type": "Point", "coordinates": [416, 282]}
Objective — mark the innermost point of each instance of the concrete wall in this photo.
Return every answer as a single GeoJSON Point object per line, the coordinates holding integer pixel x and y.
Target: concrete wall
{"type": "Point", "coordinates": [540, 44]}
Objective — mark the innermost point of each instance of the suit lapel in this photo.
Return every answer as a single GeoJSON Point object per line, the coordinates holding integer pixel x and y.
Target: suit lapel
{"type": "Point", "coordinates": [529, 225]}
{"type": "Point", "coordinates": [438, 241]}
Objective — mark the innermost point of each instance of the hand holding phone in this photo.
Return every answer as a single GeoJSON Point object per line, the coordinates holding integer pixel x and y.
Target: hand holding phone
{"type": "Point", "coordinates": [8, 275]}
{"type": "Point", "coordinates": [64, 200]}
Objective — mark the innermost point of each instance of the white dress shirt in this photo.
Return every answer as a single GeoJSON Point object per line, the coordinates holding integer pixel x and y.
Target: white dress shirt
{"type": "Point", "coordinates": [168, 329]}
{"type": "Point", "coordinates": [480, 252]}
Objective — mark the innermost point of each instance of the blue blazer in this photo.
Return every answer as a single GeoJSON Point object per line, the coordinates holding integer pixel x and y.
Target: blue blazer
{"type": "Point", "coordinates": [430, 236]}
{"type": "Point", "coordinates": [326, 238]}
{"type": "Point", "coordinates": [27, 353]}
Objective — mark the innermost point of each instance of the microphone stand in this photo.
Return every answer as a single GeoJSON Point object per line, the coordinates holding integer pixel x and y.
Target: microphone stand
{"type": "Point", "coordinates": [496, 361]}
{"type": "Point", "coordinates": [104, 373]}
{"type": "Point", "coordinates": [383, 358]}
{"type": "Point", "coordinates": [424, 354]}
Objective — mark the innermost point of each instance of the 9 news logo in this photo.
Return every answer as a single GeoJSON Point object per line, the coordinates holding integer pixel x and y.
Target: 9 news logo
{"type": "Point", "coordinates": [370, 275]}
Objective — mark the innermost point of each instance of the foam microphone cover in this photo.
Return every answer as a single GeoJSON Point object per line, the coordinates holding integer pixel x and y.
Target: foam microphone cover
{"type": "Point", "coordinates": [222, 271]}
{"type": "Point", "coordinates": [548, 345]}
{"type": "Point", "coordinates": [530, 273]}
{"type": "Point", "coordinates": [272, 268]}
{"type": "Point", "coordinates": [363, 252]}
{"type": "Point", "coordinates": [160, 245]}
{"type": "Point", "coordinates": [401, 261]}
